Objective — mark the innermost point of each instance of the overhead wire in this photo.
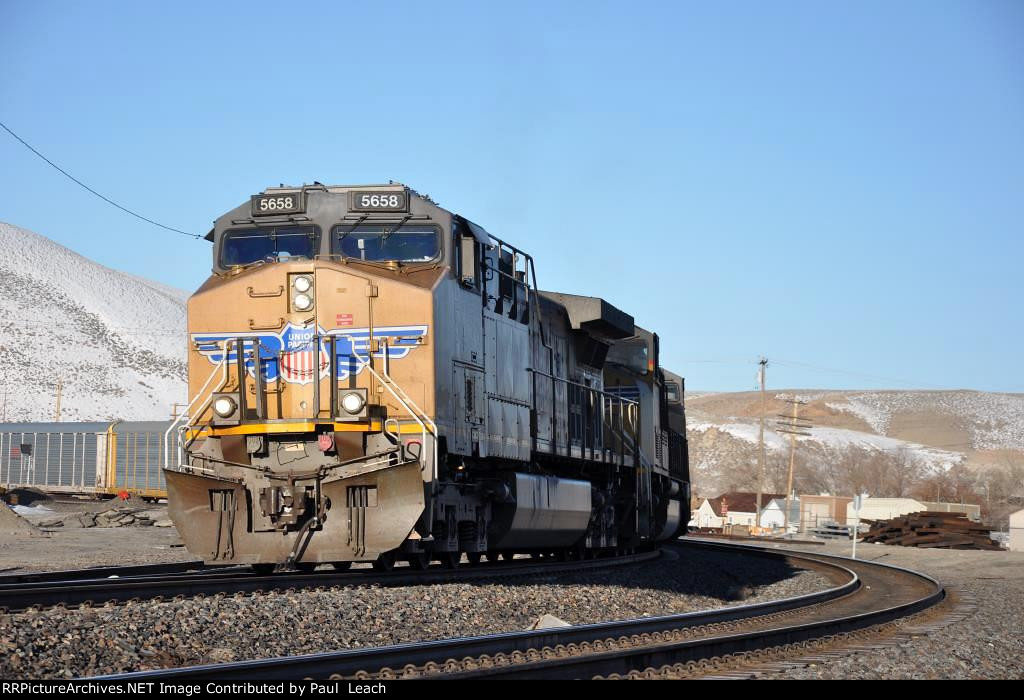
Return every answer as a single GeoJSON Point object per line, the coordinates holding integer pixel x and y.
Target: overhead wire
{"type": "Point", "coordinates": [106, 199]}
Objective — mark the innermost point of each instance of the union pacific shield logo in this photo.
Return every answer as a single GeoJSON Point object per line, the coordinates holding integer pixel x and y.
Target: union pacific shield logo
{"type": "Point", "coordinates": [298, 355]}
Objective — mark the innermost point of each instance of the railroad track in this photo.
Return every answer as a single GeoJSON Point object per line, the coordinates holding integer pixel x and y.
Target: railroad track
{"type": "Point", "coordinates": [120, 584]}
{"type": "Point", "coordinates": [867, 596]}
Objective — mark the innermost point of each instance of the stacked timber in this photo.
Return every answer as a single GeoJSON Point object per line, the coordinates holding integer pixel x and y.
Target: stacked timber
{"type": "Point", "coordinates": [930, 529]}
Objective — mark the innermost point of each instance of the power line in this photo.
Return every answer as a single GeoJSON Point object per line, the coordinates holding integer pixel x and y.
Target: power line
{"type": "Point", "coordinates": [905, 383]}
{"type": "Point", "coordinates": [82, 184]}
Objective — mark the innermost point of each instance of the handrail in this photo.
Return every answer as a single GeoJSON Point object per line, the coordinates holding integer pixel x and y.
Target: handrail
{"type": "Point", "coordinates": [407, 403]}
{"type": "Point", "coordinates": [582, 386]}
{"type": "Point", "coordinates": [185, 413]}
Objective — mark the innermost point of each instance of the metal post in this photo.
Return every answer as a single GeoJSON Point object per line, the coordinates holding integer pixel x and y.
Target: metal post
{"type": "Point", "coordinates": [261, 389]}
{"type": "Point", "coordinates": [315, 365]}
{"type": "Point", "coordinates": [789, 478]}
{"type": "Point", "coordinates": [240, 357]}
{"type": "Point", "coordinates": [760, 454]}
{"type": "Point", "coordinates": [333, 343]}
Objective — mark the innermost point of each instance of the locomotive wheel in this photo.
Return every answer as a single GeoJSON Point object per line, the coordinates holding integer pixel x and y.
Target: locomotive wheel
{"type": "Point", "coordinates": [263, 569]}
{"type": "Point", "coordinates": [474, 557]}
{"type": "Point", "coordinates": [341, 565]}
{"type": "Point", "coordinates": [306, 567]}
{"type": "Point", "coordinates": [449, 560]}
{"type": "Point", "coordinates": [419, 561]}
{"type": "Point", "coordinates": [385, 562]}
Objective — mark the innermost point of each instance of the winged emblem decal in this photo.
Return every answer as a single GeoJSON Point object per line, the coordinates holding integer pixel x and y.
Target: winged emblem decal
{"type": "Point", "coordinates": [298, 355]}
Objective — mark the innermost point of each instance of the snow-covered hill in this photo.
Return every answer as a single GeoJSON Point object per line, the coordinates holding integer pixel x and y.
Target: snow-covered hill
{"type": "Point", "coordinates": [115, 341]}
{"type": "Point", "coordinates": [907, 434]}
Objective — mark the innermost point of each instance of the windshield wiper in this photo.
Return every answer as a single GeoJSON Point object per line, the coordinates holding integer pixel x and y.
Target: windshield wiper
{"type": "Point", "coordinates": [400, 225]}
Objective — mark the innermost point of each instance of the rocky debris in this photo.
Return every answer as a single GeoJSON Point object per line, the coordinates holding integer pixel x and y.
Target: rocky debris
{"type": "Point", "coordinates": [12, 523]}
{"type": "Point", "coordinates": [150, 634]}
{"type": "Point", "coordinates": [120, 516]}
{"type": "Point", "coordinates": [546, 621]}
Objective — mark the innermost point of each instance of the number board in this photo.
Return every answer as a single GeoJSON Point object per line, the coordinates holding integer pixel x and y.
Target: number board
{"type": "Point", "coordinates": [378, 201]}
{"type": "Point", "coordinates": [266, 204]}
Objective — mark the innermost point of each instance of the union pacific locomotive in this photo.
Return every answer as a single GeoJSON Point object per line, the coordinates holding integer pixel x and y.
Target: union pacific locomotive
{"type": "Point", "coordinates": [375, 378]}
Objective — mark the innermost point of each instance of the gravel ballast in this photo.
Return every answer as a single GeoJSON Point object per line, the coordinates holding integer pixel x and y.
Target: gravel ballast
{"type": "Point", "coordinates": [80, 642]}
{"type": "Point", "coordinates": [989, 644]}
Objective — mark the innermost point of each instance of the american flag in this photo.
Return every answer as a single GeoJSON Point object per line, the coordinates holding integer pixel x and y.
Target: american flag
{"type": "Point", "coordinates": [300, 365]}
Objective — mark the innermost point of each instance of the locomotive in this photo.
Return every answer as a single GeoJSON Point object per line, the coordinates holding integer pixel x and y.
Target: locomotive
{"type": "Point", "coordinates": [374, 378]}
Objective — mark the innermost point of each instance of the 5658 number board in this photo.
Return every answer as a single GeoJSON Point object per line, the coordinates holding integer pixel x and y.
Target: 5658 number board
{"type": "Point", "coordinates": [264, 204]}
{"type": "Point", "coordinates": [378, 201]}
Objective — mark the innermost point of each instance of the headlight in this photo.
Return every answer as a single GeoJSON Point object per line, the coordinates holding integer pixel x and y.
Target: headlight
{"type": "Point", "coordinates": [303, 302]}
{"type": "Point", "coordinates": [224, 406]}
{"type": "Point", "coordinates": [352, 402]}
{"type": "Point", "coordinates": [302, 284]}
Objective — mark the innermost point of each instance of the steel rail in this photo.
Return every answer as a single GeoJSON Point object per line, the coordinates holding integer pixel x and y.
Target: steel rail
{"type": "Point", "coordinates": [97, 590]}
{"type": "Point", "coordinates": [108, 572]}
{"type": "Point", "coordinates": [611, 647]}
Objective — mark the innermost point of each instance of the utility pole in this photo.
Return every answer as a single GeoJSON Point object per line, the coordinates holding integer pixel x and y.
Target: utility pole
{"type": "Point", "coordinates": [760, 455]}
{"type": "Point", "coordinates": [60, 388]}
{"type": "Point", "coordinates": [795, 426]}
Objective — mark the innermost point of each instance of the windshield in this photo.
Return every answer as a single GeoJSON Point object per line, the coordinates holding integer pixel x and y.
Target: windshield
{"type": "Point", "coordinates": [631, 353]}
{"type": "Point", "coordinates": [409, 243]}
{"type": "Point", "coordinates": [245, 246]}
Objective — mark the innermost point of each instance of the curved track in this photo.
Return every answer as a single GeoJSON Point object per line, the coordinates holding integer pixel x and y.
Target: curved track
{"type": "Point", "coordinates": [866, 594]}
{"type": "Point", "coordinates": [97, 587]}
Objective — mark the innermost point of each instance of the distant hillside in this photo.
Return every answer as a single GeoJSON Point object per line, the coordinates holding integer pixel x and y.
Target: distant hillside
{"type": "Point", "coordinates": [954, 444]}
{"type": "Point", "coordinates": [117, 341]}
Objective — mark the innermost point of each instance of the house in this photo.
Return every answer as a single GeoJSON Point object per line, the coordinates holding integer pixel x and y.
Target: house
{"type": "Point", "coordinates": [773, 514]}
{"type": "Point", "coordinates": [733, 508]}
{"type": "Point", "coordinates": [705, 516]}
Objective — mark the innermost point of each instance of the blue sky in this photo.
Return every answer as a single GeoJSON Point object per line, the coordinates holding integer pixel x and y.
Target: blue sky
{"type": "Point", "coordinates": [838, 186]}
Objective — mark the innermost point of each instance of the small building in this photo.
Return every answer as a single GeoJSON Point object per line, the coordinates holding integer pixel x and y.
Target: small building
{"type": "Point", "coordinates": [816, 511]}
{"type": "Point", "coordinates": [887, 508]}
{"type": "Point", "coordinates": [1017, 531]}
{"type": "Point", "coordinates": [773, 516]}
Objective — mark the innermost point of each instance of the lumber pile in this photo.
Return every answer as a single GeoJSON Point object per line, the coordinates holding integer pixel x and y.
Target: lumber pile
{"type": "Point", "coordinates": [931, 529]}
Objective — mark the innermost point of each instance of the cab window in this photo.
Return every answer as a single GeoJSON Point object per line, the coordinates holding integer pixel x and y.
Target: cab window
{"type": "Point", "coordinates": [246, 246]}
{"type": "Point", "coordinates": [386, 243]}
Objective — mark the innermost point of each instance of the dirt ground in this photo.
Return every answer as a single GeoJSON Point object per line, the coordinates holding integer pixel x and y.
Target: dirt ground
{"type": "Point", "coordinates": [24, 550]}
{"type": "Point", "coordinates": [954, 567]}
